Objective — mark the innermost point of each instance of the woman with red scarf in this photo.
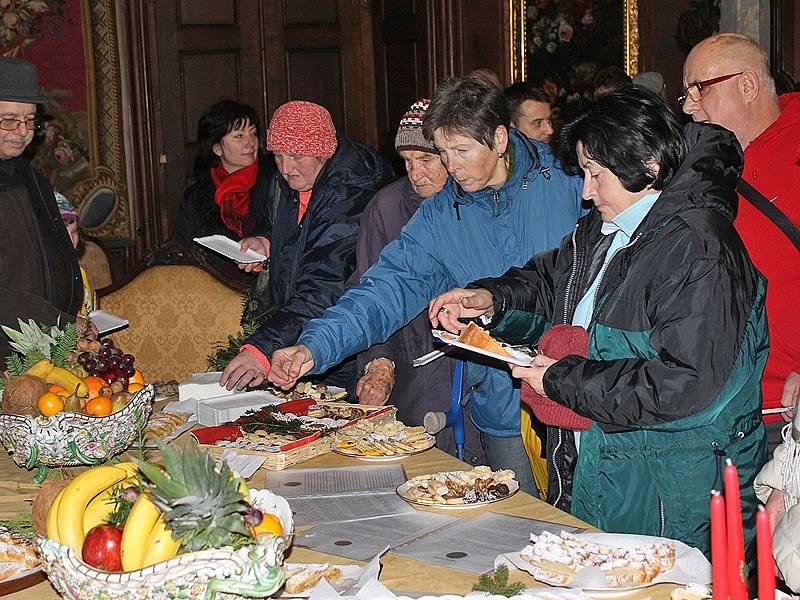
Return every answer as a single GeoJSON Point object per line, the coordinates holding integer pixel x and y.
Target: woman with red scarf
{"type": "Point", "coordinates": [228, 195]}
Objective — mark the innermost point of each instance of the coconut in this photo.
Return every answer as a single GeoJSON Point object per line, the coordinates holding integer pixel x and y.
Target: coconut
{"type": "Point", "coordinates": [41, 505]}
{"type": "Point", "coordinates": [21, 394]}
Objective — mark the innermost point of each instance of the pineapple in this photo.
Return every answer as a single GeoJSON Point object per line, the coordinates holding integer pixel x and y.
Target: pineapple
{"type": "Point", "coordinates": [34, 342]}
{"type": "Point", "coordinates": [200, 500]}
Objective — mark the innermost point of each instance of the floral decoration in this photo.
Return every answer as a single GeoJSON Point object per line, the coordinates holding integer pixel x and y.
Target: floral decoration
{"type": "Point", "coordinates": [23, 22]}
{"type": "Point", "coordinates": [567, 42]}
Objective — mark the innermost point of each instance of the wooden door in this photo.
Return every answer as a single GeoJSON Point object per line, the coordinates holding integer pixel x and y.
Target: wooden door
{"type": "Point", "coordinates": [321, 50]}
{"type": "Point", "coordinates": [206, 51]}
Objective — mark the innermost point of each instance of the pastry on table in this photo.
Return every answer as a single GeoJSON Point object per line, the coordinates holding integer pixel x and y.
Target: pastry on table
{"type": "Point", "coordinates": [304, 577]}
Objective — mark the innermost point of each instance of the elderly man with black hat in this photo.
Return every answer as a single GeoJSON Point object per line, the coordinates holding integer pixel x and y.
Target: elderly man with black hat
{"type": "Point", "coordinates": [39, 274]}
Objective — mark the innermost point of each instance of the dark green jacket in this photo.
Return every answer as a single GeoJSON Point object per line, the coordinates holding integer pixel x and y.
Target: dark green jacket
{"type": "Point", "coordinates": [677, 344]}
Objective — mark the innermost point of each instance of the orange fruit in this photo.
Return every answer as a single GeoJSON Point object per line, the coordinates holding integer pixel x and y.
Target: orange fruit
{"type": "Point", "coordinates": [98, 407]}
{"type": "Point", "coordinates": [94, 383]}
{"type": "Point", "coordinates": [135, 387]}
{"type": "Point", "coordinates": [270, 524]}
{"type": "Point", "coordinates": [50, 404]}
{"type": "Point", "coordinates": [57, 389]}
{"type": "Point", "coordinates": [138, 377]}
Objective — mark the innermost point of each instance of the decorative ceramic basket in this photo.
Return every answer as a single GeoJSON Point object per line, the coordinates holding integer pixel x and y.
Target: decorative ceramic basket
{"type": "Point", "coordinates": [70, 439]}
{"type": "Point", "coordinates": [251, 572]}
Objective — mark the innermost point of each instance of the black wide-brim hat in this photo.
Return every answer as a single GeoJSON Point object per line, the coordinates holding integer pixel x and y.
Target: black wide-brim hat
{"type": "Point", "coordinates": [19, 82]}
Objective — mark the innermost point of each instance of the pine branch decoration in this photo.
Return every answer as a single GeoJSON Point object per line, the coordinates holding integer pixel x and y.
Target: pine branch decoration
{"type": "Point", "coordinates": [498, 583]}
{"type": "Point", "coordinates": [252, 319]}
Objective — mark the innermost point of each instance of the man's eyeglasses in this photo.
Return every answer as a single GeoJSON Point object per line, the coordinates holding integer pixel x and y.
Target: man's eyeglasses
{"type": "Point", "coordinates": [696, 89]}
{"type": "Point", "coordinates": [14, 124]}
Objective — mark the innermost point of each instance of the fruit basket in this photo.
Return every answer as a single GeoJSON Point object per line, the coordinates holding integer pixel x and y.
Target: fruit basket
{"type": "Point", "coordinates": [253, 571]}
{"type": "Point", "coordinates": [70, 439]}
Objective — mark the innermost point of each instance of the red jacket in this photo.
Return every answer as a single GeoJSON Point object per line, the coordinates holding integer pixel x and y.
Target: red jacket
{"type": "Point", "coordinates": [772, 166]}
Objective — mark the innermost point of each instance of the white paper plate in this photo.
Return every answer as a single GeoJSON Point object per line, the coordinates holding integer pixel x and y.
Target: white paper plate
{"type": "Point", "coordinates": [517, 357]}
{"type": "Point", "coordinates": [230, 249]}
{"type": "Point", "coordinates": [513, 487]}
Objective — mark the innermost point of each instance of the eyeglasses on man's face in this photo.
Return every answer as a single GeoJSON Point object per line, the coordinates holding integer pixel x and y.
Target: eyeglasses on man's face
{"type": "Point", "coordinates": [14, 124]}
{"type": "Point", "coordinates": [695, 90]}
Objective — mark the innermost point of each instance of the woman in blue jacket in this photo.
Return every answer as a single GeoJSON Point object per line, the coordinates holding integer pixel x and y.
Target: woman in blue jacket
{"type": "Point", "coordinates": [506, 199]}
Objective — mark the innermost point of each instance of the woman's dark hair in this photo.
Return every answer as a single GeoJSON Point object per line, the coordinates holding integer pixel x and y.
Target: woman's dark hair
{"type": "Point", "coordinates": [470, 105]}
{"type": "Point", "coordinates": [218, 121]}
{"type": "Point", "coordinates": [623, 130]}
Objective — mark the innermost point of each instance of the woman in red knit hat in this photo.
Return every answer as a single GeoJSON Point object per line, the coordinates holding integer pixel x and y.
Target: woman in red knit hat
{"type": "Point", "coordinates": [315, 200]}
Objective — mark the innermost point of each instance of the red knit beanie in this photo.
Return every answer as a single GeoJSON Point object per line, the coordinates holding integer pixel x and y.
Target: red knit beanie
{"type": "Point", "coordinates": [303, 128]}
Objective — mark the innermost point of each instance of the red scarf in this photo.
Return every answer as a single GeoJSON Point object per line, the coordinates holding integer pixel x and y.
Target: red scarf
{"type": "Point", "coordinates": [233, 196]}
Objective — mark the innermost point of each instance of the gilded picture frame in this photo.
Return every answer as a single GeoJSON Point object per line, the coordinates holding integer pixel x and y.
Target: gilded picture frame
{"type": "Point", "coordinates": [81, 146]}
{"type": "Point", "coordinates": [520, 30]}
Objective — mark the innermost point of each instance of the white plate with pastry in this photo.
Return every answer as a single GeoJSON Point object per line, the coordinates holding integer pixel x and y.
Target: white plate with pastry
{"type": "Point", "coordinates": [476, 339]}
{"type": "Point", "coordinates": [302, 579]}
{"type": "Point", "coordinates": [606, 563]}
{"type": "Point", "coordinates": [458, 490]}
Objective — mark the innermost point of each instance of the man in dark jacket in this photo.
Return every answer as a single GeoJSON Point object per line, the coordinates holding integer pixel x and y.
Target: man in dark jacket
{"type": "Point", "coordinates": [387, 374]}
{"type": "Point", "coordinates": [39, 274]}
{"type": "Point", "coordinates": [322, 183]}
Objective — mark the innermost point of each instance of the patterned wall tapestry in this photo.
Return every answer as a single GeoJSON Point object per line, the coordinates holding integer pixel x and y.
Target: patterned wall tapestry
{"type": "Point", "coordinates": [568, 41]}
{"type": "Point", "coordinates": [73, 42]}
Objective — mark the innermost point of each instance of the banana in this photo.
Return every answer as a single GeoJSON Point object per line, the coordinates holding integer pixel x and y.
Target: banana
{"type": "Point", "coordinates": [41, 369]}
{"type": "Point", "coordinates": [66, 380]}
{"type": "Point", "coordinates": [77, 495]}
{"type": "Point", "coordinates": [136, 533]}
{"type": "Point", "coordinates": [160, 546]}
{"type": "Point", "coordinates": [52, 518]}
{"type": "Point", "coordinates": [101, 506]}
{"type": "Point", "coordinates": [243, 489]}
{"type": "Point", "coordinates": [129, 467]}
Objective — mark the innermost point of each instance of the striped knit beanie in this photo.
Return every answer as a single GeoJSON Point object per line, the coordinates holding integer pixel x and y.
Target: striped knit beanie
{"type": "Point", "coordinates": [65, 207]}
{"type": "Point", "coordinates": [409, 134]}
{"type": "Point", "coordinates": [303, 128]}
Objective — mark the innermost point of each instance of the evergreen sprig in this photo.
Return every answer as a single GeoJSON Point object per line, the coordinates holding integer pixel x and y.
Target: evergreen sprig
{"type": "Point", "coordinates": [498, 583]}
{"type": "Point", "coordinates": [67, 343]}
{"type": "Point", "coordinates": [252, 318]}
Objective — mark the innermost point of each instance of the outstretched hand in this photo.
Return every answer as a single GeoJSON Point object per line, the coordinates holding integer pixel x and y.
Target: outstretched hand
{"type": "Point", "coordinates": [289, 365]}
{"type": "Point", "coordinates": [791, 389]}
{"type": "Point", "coordinates": [446, 310]}
{"type": "Point", "coordinates": [245, 369]}
{"type": "Point", "coordinates": [533, 375]}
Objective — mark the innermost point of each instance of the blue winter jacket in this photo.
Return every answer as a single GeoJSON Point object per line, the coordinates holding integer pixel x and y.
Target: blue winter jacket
{"type": "Point", "coordinates": [454, 238]}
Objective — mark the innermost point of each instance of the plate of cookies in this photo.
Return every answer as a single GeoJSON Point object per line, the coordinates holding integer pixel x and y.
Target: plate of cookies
{"type": "Point", "coordinates": [460, 489]}
{"type": "Point", "coordinates": [167, 426]}
{"type": "Point", "coordinates": [19, 564]}
{"type": "Point", "coordinates": [607, 562]}
{"type": "Point", "coordinates": [373, 441]}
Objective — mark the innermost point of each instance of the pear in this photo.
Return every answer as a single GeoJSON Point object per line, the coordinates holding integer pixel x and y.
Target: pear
{"type": "Point", "coordinates": [72, 403]}
{"type": "Point", "coordinates": [120, 400]}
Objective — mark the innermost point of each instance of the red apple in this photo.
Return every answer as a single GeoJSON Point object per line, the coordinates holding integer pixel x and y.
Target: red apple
{"type": "Point", "coordinates": [101, 548]}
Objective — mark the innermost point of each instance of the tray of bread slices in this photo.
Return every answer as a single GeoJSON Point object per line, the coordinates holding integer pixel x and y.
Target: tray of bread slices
{"type": "Point", "coordinates": [19, 564]}
{"type": "Point", "coordinates": [608, 561]}
{"type": "Point", "coordinates": [477, 339]}
{"type": "Point", "coordinates": [460, 489]}
{"type": "Point", "coordinates": [381, 440]}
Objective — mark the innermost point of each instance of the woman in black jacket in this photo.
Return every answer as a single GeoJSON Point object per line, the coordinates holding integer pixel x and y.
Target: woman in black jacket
{"type": "Point", "coordinates": [228, 195]}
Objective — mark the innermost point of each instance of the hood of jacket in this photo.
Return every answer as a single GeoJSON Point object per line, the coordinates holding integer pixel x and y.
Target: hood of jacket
{"type": "Point", "coordinates": [352, 165]}
{"type": "Point", "coordinates": [707, 177]}
{"type": "Point", "coordinates": [527, 165]}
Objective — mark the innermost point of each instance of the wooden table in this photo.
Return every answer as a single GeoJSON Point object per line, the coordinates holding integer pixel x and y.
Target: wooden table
{"type": "Point", "coordinates": [398, 573]}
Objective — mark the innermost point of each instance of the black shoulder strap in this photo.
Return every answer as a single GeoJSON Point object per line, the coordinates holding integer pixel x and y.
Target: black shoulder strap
{"type": "Point", "coordinates": [772, 212]}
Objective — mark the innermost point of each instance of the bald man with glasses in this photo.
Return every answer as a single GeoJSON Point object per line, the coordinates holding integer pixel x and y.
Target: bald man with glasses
{"type": "Point", "coordinates": [727, 82]}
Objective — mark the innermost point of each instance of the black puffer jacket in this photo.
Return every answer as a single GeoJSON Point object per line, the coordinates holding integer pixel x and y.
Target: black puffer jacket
{"type": "Point", "coordinates": [199, 216]}
{"type": "Point", "coordinates": [677, 344]}
{"type": "Point", "coordinates": [311, 260]}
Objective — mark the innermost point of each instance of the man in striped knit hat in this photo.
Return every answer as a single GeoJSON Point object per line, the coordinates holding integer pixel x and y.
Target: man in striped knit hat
{"type": "Point", "coordinates": [385, 371]}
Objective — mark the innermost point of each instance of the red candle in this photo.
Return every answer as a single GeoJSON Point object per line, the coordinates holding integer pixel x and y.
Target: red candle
{"type": "Point", "coordinates": [766, 564]}
{"type": "Point", "coordinates": [719, 547]}
{"type": "Point", "coordinates": [737, 568]}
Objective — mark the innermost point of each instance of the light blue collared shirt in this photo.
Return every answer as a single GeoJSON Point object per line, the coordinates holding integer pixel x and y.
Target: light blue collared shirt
{"type": "Point", "coordinates": [621, 227]}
